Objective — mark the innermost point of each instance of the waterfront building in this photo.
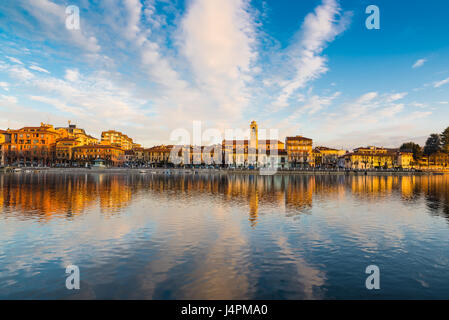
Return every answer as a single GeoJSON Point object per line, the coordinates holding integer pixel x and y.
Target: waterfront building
{"type": "Point", "coordinates": [116, 138]}
{"type": "Point", "coordinates": [324, 157]}
{"type": "Point", "coordinates": [64, 149]}
{"type": "Point", "coordinates": [238, 153]}
{"type": "Point", "coordinates": [32, 145]}
{"type": "Point", "coordinates": [375, 157]}
{"type": "Point", "coordinates": [439, 160]}
{"type": "Point", "coordinates": [299, 151]}
{"type": "Point", "coordinates": [5, 138]}
{"type": "Point", "coordinates": [405, 160]}
{"type": "Point", "coordinates": [129, 157]}
{"type": "Point", "coordinates": [139, 153]}
{"type": "Point", "coordinates": [254, 152]}
{"type": "Point", "coordinates": [72, 132]}
{"type": "Point", "coordinates": [70, 137]}
{"type": "Point", "coordinates": [158, 155]}
{"type": "Point", "coordinates": [111, 154]}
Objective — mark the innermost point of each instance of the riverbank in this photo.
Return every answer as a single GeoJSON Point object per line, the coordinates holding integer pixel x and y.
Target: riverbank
{"type": "Point", "coordinates": [161, 171]}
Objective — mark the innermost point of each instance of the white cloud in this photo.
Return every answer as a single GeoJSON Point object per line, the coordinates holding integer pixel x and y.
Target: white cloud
{"type": "Point", "coordinates": [316, 104]}
{"type": "Point", "coordinates": [367, 97]}
{"type": "Point", "coordinates": [417, 115]}
{"type": "Point", "coordinates": [389, 112]}
{"type": "Point", "coordinates": [134, 8]}
{"type": "Point", "coordinates": [72, 75]}
{"type": "Point", "coordinates": [219, 38]}
{"type": "Point", "coordinates": [396, 96]}
{"type": "Point", "coordinates": [15, 60]}
{"type": "Point", "coordinates": [37, 68]}
{"type": "Point", "coordinates": [9, 99]}
{"type": "Point", "coordinates": [419, 63]}
{"type": "Point", "coordinates": [4, 85]}
{"type": "Point", "coordinates": [51, 17]}
{"type": "Point", "coordinates": [419, 105]}
{"type": "Point", "coordinates": [58, 105]}
{"type": "Point", "coordinates": [319, 29]}
{"type": "Point", "coordinates": [441, 83]}
{"type": "Point", "coordinates": [20, 73]}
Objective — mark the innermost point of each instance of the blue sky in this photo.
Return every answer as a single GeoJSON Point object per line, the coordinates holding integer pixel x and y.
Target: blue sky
{"type": "Point", "coordinates": [302, 67]}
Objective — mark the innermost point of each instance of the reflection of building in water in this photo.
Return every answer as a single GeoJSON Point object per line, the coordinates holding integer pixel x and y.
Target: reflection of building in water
{"type": "Point", "coordinates": [114, 193]}
{"type": "Point", "coordinates": [253, 208]}
{"type": "Point", "coordinates": [407, 184]}
{"type": "Point", "coordinates": [436, 193]}
{"type": "Point", "coordinates": [299, 193]}
{"type": "Point", "coordinates": [50, 195]}
{"type": "Point", "coordinates": [62, 195]}
{"type": "Point", "coordinates": [373, 185]}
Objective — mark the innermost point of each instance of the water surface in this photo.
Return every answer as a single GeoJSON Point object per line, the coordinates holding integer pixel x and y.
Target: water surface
{"type": "Point", "coordinates": [137, 236]}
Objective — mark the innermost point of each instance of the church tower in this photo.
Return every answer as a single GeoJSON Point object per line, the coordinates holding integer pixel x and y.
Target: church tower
{"type": "Point", "coordinates": [254, 139]}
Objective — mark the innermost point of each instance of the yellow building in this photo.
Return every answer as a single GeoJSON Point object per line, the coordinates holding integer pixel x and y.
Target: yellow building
{"type": "Point", "coordinates": [112, 155]}
{"type": "Point", "coordinates": [254, 152]}
{"type": "Point", "coordinates": [70, 137]}
{"type": "Point", "coordinates": [324, 157]}
{"type": "Point", "coordinates": [299, 151]}
{"type": "Point", "coordinates": [32, 145]}
{"type": "Point", "coordinates": [437, 160]}
{"type": "Point", "coordinates": [405, 160]}
{"type": "Point", "coordinates": [73, 132]}
{"type": "Point", "coordinates": [240, 153]}
{"type": "Point", "coordinates": [116, 138]}
{"type": "Point", "coordinates": [139, 153]}
{"type": "Point", "coordinates": [64, 149]}
{"type": "Point", "coordinates": [158, 155]}
{"type": "Point", "coordinates": [5, 138]}
{"type": "Point", "coordinates": [375, 157]}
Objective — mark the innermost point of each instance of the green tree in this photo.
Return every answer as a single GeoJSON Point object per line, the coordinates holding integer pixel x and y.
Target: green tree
{"type": "Point", "coordinates": [414, 148]}
{"type": "Point", "coordinates": [445, 140]}
{"type": "Point", "coordinates": [433, 144]}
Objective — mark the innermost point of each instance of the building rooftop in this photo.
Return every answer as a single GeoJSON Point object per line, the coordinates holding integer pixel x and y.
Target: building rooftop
{"type": "Point", "coordinates": [297, 138]}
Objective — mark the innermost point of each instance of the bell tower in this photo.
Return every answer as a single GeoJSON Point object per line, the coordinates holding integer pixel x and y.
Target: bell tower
{"type": "Point", "coordinates": [254, 138]}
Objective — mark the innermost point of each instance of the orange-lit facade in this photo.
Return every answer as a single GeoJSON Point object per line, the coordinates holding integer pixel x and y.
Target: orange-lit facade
{"type": "Point", "coordinates": [35, 145]}
{"type": "Point", "coordinates": [64, 149]}
{"type": "Point", "coordinates": [72, 132]}
{"type": "Point", "coordinates": [299, 151]}
{"type": "Point", "coordinates": [375, 157]}
{"type": "Point", "coordinates": [439, 160]}
{"type": "Point", "coordinates": [112, 155]}
{"type": "Point", "coordinates": [5, 138]}
{"type": "Point", "coordinates": [116, 138]}
{"type": "Point", "coordinates": [158, 155]}
{"type": "Point", "coordinates": [244, 153]}
{"type": "Point", "coordinates": [324, 157]}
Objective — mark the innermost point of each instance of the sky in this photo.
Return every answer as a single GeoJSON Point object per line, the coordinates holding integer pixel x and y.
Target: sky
{"type": "Point", "coordinates": [306, 67]}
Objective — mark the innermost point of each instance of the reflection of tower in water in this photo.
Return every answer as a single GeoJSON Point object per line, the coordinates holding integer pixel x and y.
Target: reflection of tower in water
{"type": "Point", "coordinates": [253, 208]}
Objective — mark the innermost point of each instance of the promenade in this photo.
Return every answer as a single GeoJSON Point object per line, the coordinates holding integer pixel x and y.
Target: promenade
{"type": "Point", "coordinates": [223, 171]}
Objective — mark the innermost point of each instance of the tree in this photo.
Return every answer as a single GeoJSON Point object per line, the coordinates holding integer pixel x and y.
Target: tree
{"type": "Point", "coordinates": [414, 148]}
{"type": "Point", "coordinates": [445, 140]}
{"type": "Point", "coordinates": [433, 144]}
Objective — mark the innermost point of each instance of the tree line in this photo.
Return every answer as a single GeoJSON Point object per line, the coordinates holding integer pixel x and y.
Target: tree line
{"type": "Point", "coordinates": [437, 142]}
